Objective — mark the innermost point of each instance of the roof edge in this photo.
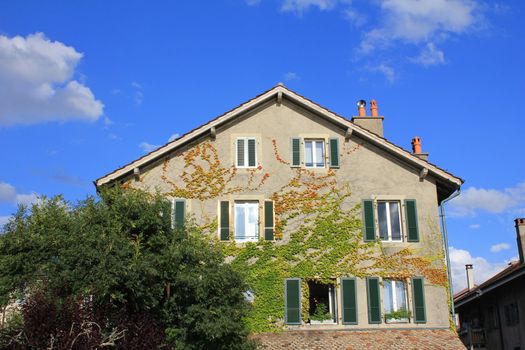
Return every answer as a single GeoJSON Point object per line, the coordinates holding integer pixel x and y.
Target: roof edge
{"type": "Point", "coordinates": [379, 141]}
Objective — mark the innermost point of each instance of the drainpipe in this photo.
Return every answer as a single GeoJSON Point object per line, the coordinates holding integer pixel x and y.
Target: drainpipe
{"type": "Point", "coordinates": [445, 242]}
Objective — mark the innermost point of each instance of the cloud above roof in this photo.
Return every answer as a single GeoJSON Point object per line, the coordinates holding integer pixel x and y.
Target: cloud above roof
{"type": "Point", "coordinates": [37, 82]}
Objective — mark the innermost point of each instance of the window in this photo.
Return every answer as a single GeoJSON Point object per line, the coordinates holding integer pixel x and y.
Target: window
{"type": "Point", "coordinates": [322, 302]}
{"type": "Point", "coordinates": [246, 221]}
{"type": "Point", "coordinates": [511, 314]}
{"type": "Point", "coordinates": [395, 300]}
{"type": "Point", "coordinates": [389, 219]}
{"type": "Point", "coordinates": [314, 153]}
{"type": "Point", "coordinates": [246, 155]}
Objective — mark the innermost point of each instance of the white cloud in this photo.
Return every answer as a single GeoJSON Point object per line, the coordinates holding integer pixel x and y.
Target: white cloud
{"type": "Point", "coordinates": [384, 69]}
{"type": "Point", "coordinates": [37, 84]}
{"type": "Point", "coordinates": [291, 76]}
{"type": "Point", "coordinates": [430, 56]}
{"type": "Point", "coordinates": [415, 21]}
{"type": "Point", "coordinates": [173, 137]}
{"type": "Point", "coordinates": [139, 95]}
{"type": "Point", "coordinates": [493, 201]}
{"type": "Point", "coordinates": [483, 269]}
{"type": "Point", "coordinates": [300, 6]}
{"type": "Point", "coordinates": [474, 226]}
{"type": "Point", "coordinates": [8, 194]}
{"type": "Point", "coordinates": [496, 248]}
{"type": "Point", "coordinates": [4, 220]}
{"type": "Point", "coordinates": [148, 147]}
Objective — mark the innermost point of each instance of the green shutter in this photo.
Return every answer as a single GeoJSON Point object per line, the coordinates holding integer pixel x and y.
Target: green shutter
{"type": "Point", "coordinates": [292, 301]}
{"type": "Point", "coordinates": [369, 232]}
{"type": "Point", "coordinates": [251, 152]}
{"type": "Point", "coordinates": [268, 221]}
{"type": "Point", "coordinates": [411, 212]}
{"type": "Point", "coordinates": [240, 152]}
{"type": "Point", "coordinates": [349, 300]}
{"type": "Point", "coordinates": [224, 226]}
{"type": "Point", "coordinates": [374, 310]}
{"type": "Point", "coordinates": [296, 152]}
{"type": "Point", "coordinates": [418, 297]}
{"type": "Point", "coordinates": [179, 213]}
{"type": "Point", "coordinates": [334, 153]}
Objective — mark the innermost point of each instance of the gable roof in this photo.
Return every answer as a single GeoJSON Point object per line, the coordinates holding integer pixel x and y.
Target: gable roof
{"type": "Point", "coordinates": [514, 270]}
{"type": "Point", "coordinates": [447, 179]}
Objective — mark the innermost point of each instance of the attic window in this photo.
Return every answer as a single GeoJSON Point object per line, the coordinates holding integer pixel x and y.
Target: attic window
{"type": "Point", "coordinates": [246, 152]}
{"type": "Point", "coordinates": [314, 153]}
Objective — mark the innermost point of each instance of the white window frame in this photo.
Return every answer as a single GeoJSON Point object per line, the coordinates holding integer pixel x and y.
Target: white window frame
{"type": "Point", "coordinates": [246, 153]}
{"type": "Point", "coordinates": [389, 220]}
{"type": "Point", "coordinates": [395, 307]}
{"type": "Point", "coordinates": [314, 155]}
{"type": "Point", "coordinates": [245, 204]}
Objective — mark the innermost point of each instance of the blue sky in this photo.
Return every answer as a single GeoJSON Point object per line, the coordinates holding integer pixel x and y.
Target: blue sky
{"type": "Point", "coordinates": [88, 86]}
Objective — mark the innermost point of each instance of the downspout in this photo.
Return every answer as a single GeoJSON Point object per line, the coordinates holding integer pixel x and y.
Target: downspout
{"type": "Point", "coordinates": [445, 242]}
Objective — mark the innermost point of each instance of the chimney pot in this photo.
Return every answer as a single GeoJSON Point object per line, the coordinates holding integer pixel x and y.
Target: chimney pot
{"type": "Point", "coordinates": [416, 145]}
{"type": "Point", "coordinates": [470, 276]}
{"type": "Point", "coordinates": [361, 104]}
{"type": "Point", "coordinates": [520, 237]}
{"type": "Point", "coordinates": [373, 108]}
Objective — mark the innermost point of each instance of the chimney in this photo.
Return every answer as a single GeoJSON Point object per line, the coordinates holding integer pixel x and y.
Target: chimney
{"type": "Point", "coordinates": [470, 276]}
{"type": "Point", "coordinates": [520, 233]}
{"type": "Point", "coordinates": [416, 149]}
{"type": "Point", "coordinates": [373, 123]}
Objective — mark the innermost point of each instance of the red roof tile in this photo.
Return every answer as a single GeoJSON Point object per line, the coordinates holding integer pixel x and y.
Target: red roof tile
{"type": "Point", "coordinates": [442, 339]}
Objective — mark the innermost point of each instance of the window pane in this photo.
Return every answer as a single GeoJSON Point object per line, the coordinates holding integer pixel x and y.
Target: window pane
{"type": "Point", "coordinates": [240, 152]}
{"type": "Point", "coordinates": [387, 296]}
{"type": "Point", "coordinates": [319, 154]}
{"type": "Point", "coordinates": [401, 297]}
{"type": "Point", "coordinates": [240, 220]}
{"type": "Point", "coordinates": [253, 218]}
{"type": "Point", "coordinates": [381, 217]}
{"type": "Point", "coordinates": [308, 153]}
{"type": "Point", "coordinates": [395, 221]}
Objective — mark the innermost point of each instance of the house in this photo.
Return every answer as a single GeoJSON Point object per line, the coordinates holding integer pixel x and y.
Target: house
{"type": "Point", "coordinates": [334, 226]}
{"type": "Point", "coordinates": [491, 315]}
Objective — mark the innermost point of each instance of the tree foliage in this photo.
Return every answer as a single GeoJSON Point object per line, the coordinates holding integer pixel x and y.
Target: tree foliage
{"type": "Point", "coordinates": [116, 262]}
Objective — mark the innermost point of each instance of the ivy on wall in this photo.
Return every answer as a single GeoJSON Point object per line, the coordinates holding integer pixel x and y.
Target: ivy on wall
{"type": "Point", "coordinates": [318, 233]}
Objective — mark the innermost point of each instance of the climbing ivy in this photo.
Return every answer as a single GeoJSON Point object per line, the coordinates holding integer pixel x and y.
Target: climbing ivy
{"type": "Point", "coordinates": [317, 230]}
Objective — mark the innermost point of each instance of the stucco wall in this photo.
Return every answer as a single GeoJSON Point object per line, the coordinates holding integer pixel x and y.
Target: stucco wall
{"type": "Point", "coordinates": [369, 171]}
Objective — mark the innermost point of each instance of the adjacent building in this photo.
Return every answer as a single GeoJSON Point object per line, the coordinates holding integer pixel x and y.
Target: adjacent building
{"type": "Point", "coordinates": [491, 315]}
{"type": "Point", "coordinates": [334, 226]}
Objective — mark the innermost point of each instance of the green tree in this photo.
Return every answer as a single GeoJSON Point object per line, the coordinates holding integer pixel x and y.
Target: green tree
{"type": "Point", "coordinates": [121, 253]}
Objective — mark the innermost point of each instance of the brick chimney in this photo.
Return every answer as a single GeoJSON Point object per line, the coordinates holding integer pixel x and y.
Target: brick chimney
{"type": "Point", "coordinates": [520, 233]}
{"type": "Point", "coordinates": [470, 276]}
{"type": "Point", "coordinates": [374, 122]}
{"type": "Point", "coordinates": [416, 149]}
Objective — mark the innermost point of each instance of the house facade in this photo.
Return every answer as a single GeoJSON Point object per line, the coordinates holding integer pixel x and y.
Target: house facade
{"type": "Point", "coordinates": [332, 225]}
{"type": "Point", "coordinates": [491, 315]}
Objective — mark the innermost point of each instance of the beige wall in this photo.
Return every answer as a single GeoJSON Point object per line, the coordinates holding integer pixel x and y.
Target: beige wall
{"type": "Point", "coordinates": [369, 171]}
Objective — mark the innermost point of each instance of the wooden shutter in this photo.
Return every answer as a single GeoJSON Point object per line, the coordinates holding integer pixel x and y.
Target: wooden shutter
{"type": "Point", "coordinates": [349, 300]}
{"type": "Point", "coordinates": [334, 153]}
{"type": "Point", "coordinates": [418, 296]}
{"type": "Point", "coordinates": [224, 224]}
{"type": "Point", "coordinates": [412, 227]}
{"type": "Point", "coordinates": [268, 221]}
{"type": "Point", "coordinates": [240, 152]}
{"type": "Point", "coordinates": [251, 153]}
{"type": "Point", "coordinates": [179, 212]}
{"type": "Point", "coordinates": [292, 301]}
{"type": "Point", "coordinates": [369, 231]}
{"type": "Point", "coordinates": [295, 152]}
{"type": "Point", "coordinates": [374, 309]}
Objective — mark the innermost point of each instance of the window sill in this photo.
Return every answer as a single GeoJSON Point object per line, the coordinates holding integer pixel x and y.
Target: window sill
{"type": "Point", "coordinates": [322, 322]}
{"type": "Point", "coordinates": [396, 320]}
